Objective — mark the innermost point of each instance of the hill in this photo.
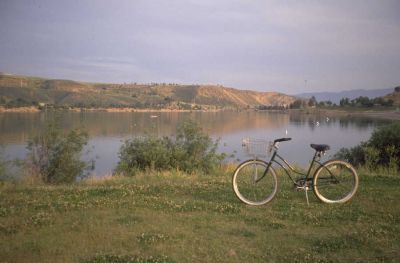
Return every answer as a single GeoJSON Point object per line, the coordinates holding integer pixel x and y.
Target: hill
{"type": "Point", "coordinates": [18, 91]}
{"type": "Point", "coordinates": [335, 97]}
{"type": "Point", "coordinates": [395, 96]}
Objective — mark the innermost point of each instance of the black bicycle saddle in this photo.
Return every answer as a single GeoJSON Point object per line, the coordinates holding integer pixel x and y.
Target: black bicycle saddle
{"type": "Point", "coordinates": [320, 147]}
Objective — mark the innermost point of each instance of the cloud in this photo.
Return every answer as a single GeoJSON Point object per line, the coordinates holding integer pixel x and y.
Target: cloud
{"type": "Point", "coordinates": [264, 45]}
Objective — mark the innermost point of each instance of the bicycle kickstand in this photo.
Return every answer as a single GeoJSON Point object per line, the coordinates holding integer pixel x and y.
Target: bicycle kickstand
{"type": "Point", "coordinates": [306, 190]}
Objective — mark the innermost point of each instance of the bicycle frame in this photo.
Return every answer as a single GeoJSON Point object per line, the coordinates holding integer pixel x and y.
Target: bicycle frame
{"type": "Point", "coordinates": [321, 177]}
{"type": "Point", "coordinates": [288, 169]}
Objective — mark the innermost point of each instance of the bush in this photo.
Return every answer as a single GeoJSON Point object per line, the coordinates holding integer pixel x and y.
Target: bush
{"type": "Point", "coordinates": [54, 156]}
{"type": "Point", "coordinates": [355, 155]}
{"type": "Point", "coordinates": [191, 150]}
{"type": "Point", "coordinates": [194, 149]}
{"type": "Point", "coordinates": [382, 149]}
{"type": "Point", "coordinates": [385, 139]}
{"type": "Point", "coordinates": [142, 153]}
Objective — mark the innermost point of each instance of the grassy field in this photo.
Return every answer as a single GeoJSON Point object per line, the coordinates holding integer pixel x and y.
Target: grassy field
{"type": "Point", "coordinates": [177, 218]}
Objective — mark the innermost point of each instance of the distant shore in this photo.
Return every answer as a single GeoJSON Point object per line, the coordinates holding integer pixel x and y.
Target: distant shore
{"type": "Point", "coordinates": [389, 115]}
{"type": "Point", "coordinates": [36, 109]}
{"type": "Point", "coordinates": [19, 109]}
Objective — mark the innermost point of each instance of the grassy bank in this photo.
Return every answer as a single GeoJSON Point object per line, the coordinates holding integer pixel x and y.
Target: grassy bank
{"type": "Point", "coordinates": [176, 218]}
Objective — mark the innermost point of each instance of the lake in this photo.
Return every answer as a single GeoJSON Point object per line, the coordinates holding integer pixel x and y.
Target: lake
{"type": "Point", "coordinates": [108, 131]}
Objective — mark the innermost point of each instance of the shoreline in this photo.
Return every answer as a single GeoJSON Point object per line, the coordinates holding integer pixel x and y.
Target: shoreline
{"type": "Point", "coordinates": [388, 115]}
{"type": "Point", "coordinates": [20, 109]}
{"type": "Point", "coordinates": [35, 110]}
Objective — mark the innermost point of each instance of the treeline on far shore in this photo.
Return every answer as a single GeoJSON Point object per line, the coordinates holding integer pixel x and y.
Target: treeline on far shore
{"type": "Point", "coordinates": [344, 103]}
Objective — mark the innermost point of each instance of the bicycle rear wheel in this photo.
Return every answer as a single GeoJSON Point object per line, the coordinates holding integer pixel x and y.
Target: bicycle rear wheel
{"type": "Point", "coordinates": [252, 184]}
{"type": "Point", "coordinates": [335, 182]}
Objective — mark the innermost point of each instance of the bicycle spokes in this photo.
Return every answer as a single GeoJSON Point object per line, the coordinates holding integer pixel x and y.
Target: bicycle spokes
{"type": "Point", "coordinates": [250, 184]}
{"type": "Point", "coordinates": [255, 175]}
{"type": "Point", "coordinates": [335, 182]}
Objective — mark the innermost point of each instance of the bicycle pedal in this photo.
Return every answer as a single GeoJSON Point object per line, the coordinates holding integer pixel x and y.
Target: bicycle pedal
{"type": "Point", "coordinates": [297, 187]}
{"type": "Point", "coordinates": [300, 188]}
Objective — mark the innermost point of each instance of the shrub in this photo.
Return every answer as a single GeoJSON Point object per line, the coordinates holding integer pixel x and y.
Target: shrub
{"type": "Point", "coordinates": [144, 152]}
{"type": "Point", "coordinates": [371, 157]}
{"type": "Point", "coordinates": [383, 139]}
{"type": "Point", "coordinates": [194, 149]}
{"type": "Point", "coordinates": [355, 155]}
{"type": "Point", "coordinates": [54, 156]}
{"type": "Point", "coordinates": [191, 150]}
{"type": "Point", "coordinates": [382, 149]}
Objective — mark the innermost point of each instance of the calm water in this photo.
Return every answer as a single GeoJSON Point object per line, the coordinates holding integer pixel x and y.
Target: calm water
{"type": "Point", "coordinates": [108, 131]}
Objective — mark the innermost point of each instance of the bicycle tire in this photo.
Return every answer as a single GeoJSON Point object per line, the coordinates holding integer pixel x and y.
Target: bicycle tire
{"type": "Point", "coordinates": [336, 181]}
{"type": "Point", "coordinates": [248, 186]}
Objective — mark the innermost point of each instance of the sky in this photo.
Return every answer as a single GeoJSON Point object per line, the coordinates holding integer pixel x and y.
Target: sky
{"type": "Point", "coordinates": [284, 46]}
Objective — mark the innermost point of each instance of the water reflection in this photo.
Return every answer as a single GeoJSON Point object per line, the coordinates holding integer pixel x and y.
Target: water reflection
{"type": "Point", "coordinates": [108, 130]}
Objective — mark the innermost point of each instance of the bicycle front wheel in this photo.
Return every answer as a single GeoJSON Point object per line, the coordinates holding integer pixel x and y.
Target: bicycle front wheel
{"type": "Point", "coordinates": [335, 182]}
{"type": "Point", "coordinates": [253, 184]}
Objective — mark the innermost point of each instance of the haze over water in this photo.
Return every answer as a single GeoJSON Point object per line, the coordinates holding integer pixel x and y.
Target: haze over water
{"type": "Point", "coordinates": [107, 131]}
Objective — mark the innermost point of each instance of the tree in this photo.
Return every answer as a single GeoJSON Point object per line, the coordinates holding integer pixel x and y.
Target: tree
{"type": "Point", "coordinates": [54, 156]}
{"type": "Point", "coordinates": [363, 101]}
{"type": "Point", "coordinates": [312, 102]}
{"type": "Point", "coordinates": [344, 102]}
{"type": "Point", "coordinates": [378, 101]}
{"type": "Point", "coordinates": [388, 103]}
{"type": "Point", "coordinates": [297, 104]}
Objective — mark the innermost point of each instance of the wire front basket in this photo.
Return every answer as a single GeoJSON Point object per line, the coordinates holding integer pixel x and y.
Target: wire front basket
{"type": "Point", "coordinates": [256, 148]}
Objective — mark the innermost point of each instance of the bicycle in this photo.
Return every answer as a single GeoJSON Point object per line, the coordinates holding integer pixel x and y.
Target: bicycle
{"type": "Point", "coordinates": [255, 181]}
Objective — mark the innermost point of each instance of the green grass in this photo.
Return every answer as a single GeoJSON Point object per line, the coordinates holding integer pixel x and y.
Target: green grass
{"type": "Point", "coordinates": [176, 218]}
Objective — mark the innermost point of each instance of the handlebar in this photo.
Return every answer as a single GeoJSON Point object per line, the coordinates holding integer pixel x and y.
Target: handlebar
{"type": "Point", "coordinates": [274, 145]}
{"type": "Point", "coordinates": [282, 140]}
